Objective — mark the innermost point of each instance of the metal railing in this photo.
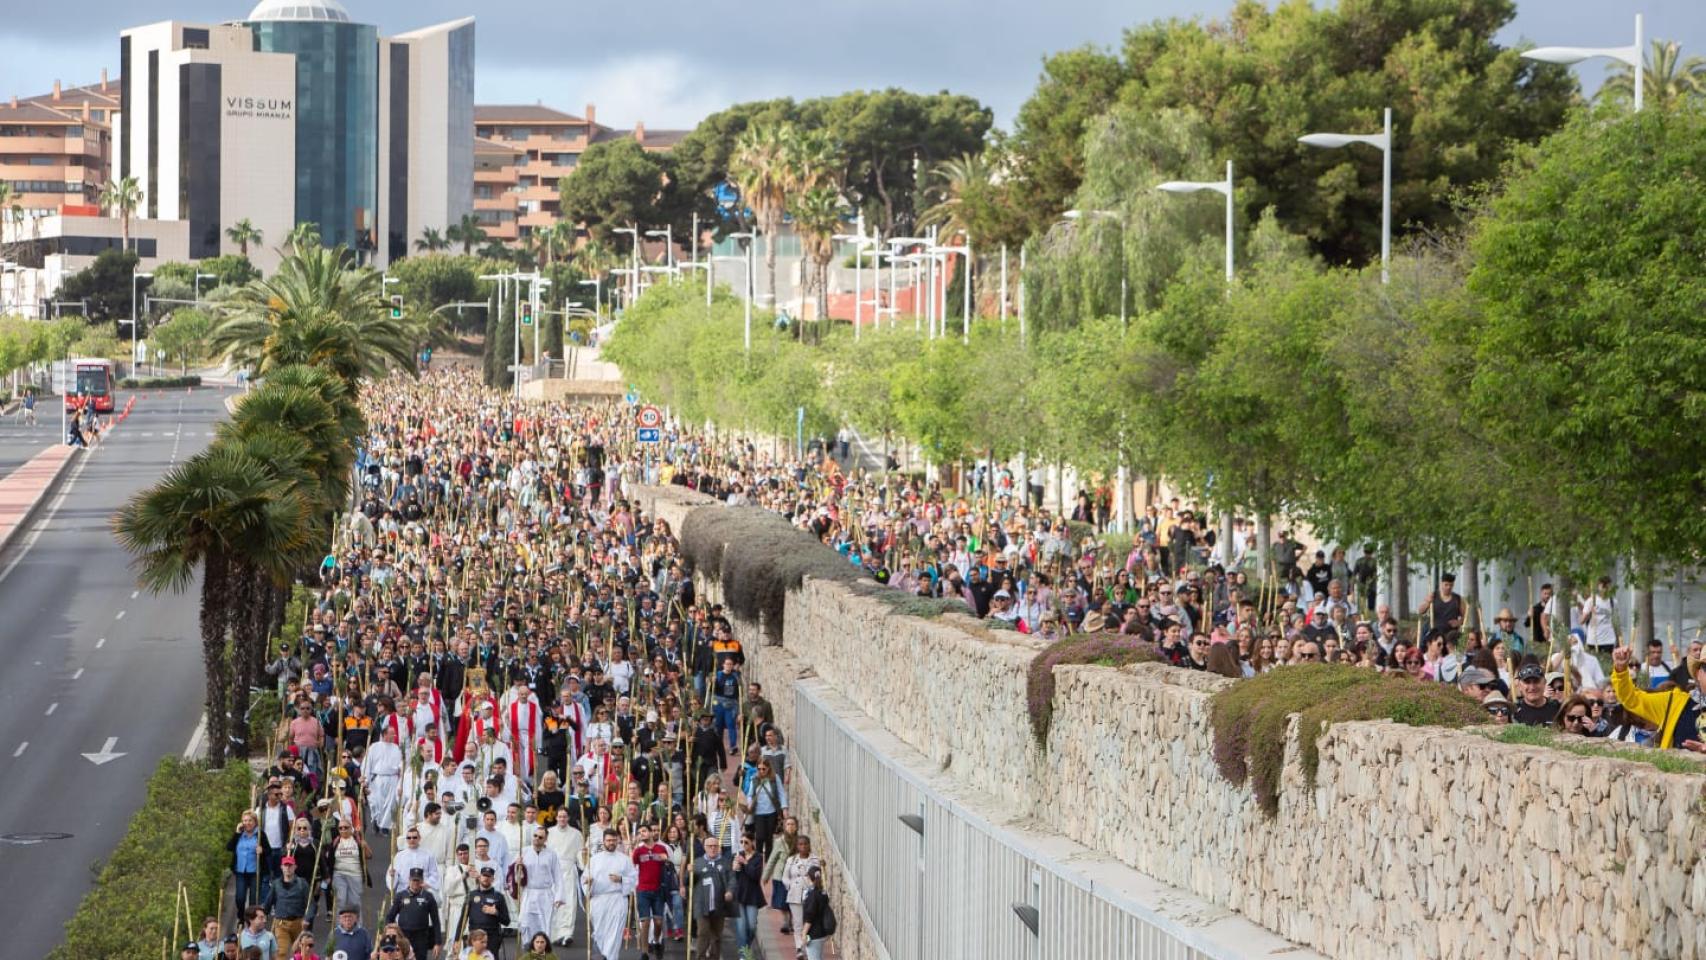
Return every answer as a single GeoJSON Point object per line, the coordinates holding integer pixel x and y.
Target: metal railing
{"type": "Point", "coordinates": [937, 881]}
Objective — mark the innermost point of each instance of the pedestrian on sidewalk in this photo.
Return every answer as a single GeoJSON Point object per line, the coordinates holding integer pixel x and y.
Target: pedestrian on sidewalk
{"type": "Point", "coordinates": [713, 898]}
{"type": "Point", "coordinates": [817, 915]}
{"type": "Point", "coordinates": [796, 874]}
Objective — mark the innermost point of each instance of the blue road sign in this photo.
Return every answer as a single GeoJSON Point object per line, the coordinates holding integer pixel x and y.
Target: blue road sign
{"type": "Point", "coordinates": [647, 434]}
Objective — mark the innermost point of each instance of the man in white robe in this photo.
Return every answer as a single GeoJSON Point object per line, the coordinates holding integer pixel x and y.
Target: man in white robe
{"type": "Point", "coordinates": [544, 890]}
{"type": "Point", "coordinates": [382, 772]}
{"type": "Point", "coordinates": [566, 841]}
{"type": "Point", "coordinates": [458, 879]}
{"type": "Point", "coordinates": [609, 880]}
{"type": "Point", "coordinates": [523, 723]}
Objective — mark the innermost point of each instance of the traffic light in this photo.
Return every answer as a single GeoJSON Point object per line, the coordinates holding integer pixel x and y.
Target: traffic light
{"type": "Point", "coordinates": [526, 314]}
{"type": "Point", "coordinates": [396, 306]}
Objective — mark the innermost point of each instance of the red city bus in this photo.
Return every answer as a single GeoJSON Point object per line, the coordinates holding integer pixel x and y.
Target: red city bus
{"type": "Point", "coordinates": [94, 384]}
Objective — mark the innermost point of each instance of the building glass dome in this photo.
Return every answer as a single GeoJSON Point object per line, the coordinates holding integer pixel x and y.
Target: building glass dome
{"type": "Point", "coordinates": [322, 10]}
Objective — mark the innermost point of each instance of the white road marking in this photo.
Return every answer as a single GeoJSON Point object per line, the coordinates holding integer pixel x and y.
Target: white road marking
{"type": "Point", "coordinates": [105, 754]}
{"type": "Point", "coordinates": [50, 708]}
{"type": "Point", "coordinates": [134, 593]}
{"type": "Point", "coordinates": [100, 643]}
{"type": "Point", "coordinates": [194, 746]}
{"type": "Point", "coordinates": [78, 675]}
{"type": "Point", "coordinates": [120, 615]}
{"type": "Point", "coordinates": [21, 748]}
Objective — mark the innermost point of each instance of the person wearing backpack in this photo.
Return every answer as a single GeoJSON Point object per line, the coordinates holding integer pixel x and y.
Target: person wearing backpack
{"type": "Point", "coordinates": [817, 916]}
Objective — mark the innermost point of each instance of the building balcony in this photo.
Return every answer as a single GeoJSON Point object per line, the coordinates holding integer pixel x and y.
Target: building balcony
{"type": "Point", "coordinates": [498, 175]}
{"type": "Point", "coordinates": [540, 193]}
{"type": "Point", "coordinates": [547, 144]}
{"type": "Point", "coordinates": [52, 146]}
{"type": "Point", "coordinates": [539, 218]}
{"type": "Point", "coordinates": [503, 201]}
{"type": "Point", "coordinates": [501, 231]}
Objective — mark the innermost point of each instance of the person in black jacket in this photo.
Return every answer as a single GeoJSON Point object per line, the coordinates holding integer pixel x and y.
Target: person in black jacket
{"type": "Point", "coordinates": [488, 911]}
{"type": "Point", "coordinates": [815, 913]}
{"type": "Point", "coordinates": [415, 912]}
{"type": "Point", "coordinates": [749, 893]}
{"type": "Point", "coordinates": [710, 755]}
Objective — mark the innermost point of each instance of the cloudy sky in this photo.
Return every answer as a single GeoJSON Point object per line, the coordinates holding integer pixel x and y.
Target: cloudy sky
{"type": "Point", "coordinates": [670, 62]}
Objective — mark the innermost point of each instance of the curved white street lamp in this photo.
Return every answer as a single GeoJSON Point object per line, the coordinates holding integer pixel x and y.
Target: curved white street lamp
{"type": "Point", "coordinates": [1570, 55]}
{"type": "Point", "coordinates": [1217, 186]}
{"type": "Point", "coordinates": [1383, 140]}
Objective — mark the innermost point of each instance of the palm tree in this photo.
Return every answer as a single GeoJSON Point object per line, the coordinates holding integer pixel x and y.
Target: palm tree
{"type": "Point", "coordinates": [431, 241]}
{"type": "Point", "coordinates": [223, 511]}
{"type": "Point", "coordinates": [314, 310]}
{"type": "Point", "coordinates": [123, 196]}
{"type": "Point", "coordinates": [950, 182]}
{"type": "Point", "coordinates": [467, 232]}
{"type": "Point", "coordinates": [817, 215]}
{"type": "Point", "coordinates": [243, 233]}
{"type": "Point", "coordinates": [1667, 80]}
{"type": "Point", "coordinates": [759, 167]}
{"type": "Point", "coordinates": [557, 236]}
{"type": "Point", "coordinates": [304, 236]}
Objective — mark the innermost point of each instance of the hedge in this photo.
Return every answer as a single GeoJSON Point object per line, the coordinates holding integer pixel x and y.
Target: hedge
{"type": "Point", "coordinates": [757, 556]}
{"type": "Point", "coordinates": [161, 383]}
{"type": "Point", "coordinates": [1102, 649]}
{"type": "Point", "coordinates": [1251, 717]}
{"type": "Point", "coordinates": [178, 835]}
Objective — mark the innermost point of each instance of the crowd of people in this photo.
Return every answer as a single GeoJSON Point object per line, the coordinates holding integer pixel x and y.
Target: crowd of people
{"type": "Point", "coordinates": [510, 724]}
{"type": "Point", "coordinates": [508, 692]}
{"type": "Point", "coordinates": [1203, 600]}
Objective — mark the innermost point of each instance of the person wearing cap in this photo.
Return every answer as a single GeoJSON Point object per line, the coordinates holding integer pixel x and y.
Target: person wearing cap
{"type": "Point", "coordinates": [488, 910]}
{"type": "Point", "coordinates": [1533, 707]}
{"type": "Point", "coordinates": [1478, 683]}
{"type": "Point", "coordinates": [415, 912]}
{"type": "Point", "coordinates": [349, 935]}
{"type": "Point", "coordinates": [1497, 707]}
{"type": "Point", "coordinates": [189, 951]}
{"type": "Point", "coordinates": [287, 899]}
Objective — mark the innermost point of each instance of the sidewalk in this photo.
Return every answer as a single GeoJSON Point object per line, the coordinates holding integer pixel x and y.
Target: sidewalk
{"type": "Point", "coordinates": [25, 489]}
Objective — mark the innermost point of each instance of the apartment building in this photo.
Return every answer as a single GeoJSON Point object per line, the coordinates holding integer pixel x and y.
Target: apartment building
{"type": "Point", "coordinates": [521, 154]}
{"type": "Point", "coordinates": [56, 148]}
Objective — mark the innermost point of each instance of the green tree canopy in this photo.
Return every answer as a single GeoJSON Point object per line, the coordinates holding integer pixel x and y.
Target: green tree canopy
{"type": "Point", "coordinates": [104, 284]}
{"type": "Point", "coordinates": [1588, 348]}
{"type": "Point", "coordinates": [618, 183]}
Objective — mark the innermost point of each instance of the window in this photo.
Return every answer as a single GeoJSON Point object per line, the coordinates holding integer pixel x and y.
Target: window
{"type": "Point", "coordinates": [75, 130]}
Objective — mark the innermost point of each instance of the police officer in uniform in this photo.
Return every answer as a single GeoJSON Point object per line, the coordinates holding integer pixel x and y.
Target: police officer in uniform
{"type": "Point", "coordinates": [415, 911]}
{"type": "Point", "coordinates": [488, 911]}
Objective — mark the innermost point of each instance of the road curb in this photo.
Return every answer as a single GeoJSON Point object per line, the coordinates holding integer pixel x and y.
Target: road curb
{"type": "Point", "coordinates": [42, 496]}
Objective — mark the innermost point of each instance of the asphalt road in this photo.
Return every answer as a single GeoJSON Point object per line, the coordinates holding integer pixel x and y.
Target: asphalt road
{"type": "Point", "coordinates": [18, 443]}
{"type": "Point", "coordinates": [86, 659]}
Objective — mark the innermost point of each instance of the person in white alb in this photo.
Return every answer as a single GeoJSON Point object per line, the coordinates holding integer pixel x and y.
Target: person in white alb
{"type": "Point", "coordinates": [566, 841]}
{"type": "Point", "coordinates": [438, 836]}
{"type": "Point", "coordinates": [523, 723]}
{"type": "Point", "coordinates": [544, 891]}
{"type": "Point", "coordinates": [609, 880]}
{"type": "Point", "coordinates": [382, 773]}
{"type": "Point", "coordinates": [412, 857]}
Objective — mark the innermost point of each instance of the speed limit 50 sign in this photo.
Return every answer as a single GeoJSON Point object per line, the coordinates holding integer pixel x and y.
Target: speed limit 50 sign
{"type": "Point", "coordinates": [648, 416]}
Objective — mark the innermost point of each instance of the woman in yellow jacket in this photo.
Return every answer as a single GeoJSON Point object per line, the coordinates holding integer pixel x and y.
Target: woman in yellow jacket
{"type": "Point", "coordinates": [1677, 713]}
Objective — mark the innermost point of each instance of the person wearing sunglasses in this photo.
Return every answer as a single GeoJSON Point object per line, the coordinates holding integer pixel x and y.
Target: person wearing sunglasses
{"type": "Point", "coordinates": [1533, 708]}
{"type": "Point", "coordinates": [1574, 717]}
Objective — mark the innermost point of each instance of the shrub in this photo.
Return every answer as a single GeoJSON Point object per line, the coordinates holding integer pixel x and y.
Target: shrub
{"type": "Point", "coordinates": [178, 835]}
{"type": "Point", "coordinates": [1250, 718]}
{"type": "Point", "coordinates": [1103, 649]}
{"type": "Point", "coordinates": [757, 557]}
{"type": "Point", "coordinates": [1668, 761]}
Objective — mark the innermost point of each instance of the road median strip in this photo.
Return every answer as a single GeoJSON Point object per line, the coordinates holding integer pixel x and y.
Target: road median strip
{"type": "Point", "coordinates": [25, 490]}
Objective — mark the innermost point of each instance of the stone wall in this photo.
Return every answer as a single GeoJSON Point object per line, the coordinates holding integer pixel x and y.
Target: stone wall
{"type": "Point", "coordinates": [1413, 844]}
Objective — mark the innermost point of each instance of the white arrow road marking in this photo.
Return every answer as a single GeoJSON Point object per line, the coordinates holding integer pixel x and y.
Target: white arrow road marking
{"type": "Point", "coordinates": [106, 753]}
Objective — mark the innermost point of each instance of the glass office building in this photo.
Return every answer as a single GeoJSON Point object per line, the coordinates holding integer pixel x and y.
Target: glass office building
{"type": "Point", "coordinates": [337, 123]}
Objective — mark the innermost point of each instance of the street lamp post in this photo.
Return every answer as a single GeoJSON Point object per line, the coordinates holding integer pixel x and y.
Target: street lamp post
{"type": "Point", "coordinates": [1218, 186]}
{"type": "Point", "coordinates": [633, 231]}
{"type": "Point", "coordinates": [597, 285]}
{"type": "Point", "coordinates": [1567, 55]}
{"type": "Point", "coordinates": [668, 235]}
{"type": "Point", "coordinates": [1225, 188]}
{"type": "Point", "coordinates": [965, 286]}
{"type": "Point", "coordinates": [1383, 141]}
{"type": "Point", "coordinates": [199, 278]}
{"type": "Point", "coordinates": [859, 241]}
{"type": "Point", "coordinates": [751, 238]}
{"type": "Point", "coordinates": [135, 276]}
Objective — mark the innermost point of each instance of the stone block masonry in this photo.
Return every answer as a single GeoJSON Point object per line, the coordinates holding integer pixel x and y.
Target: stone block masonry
{"type": "Point", "coordinates": [1415, 843]}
